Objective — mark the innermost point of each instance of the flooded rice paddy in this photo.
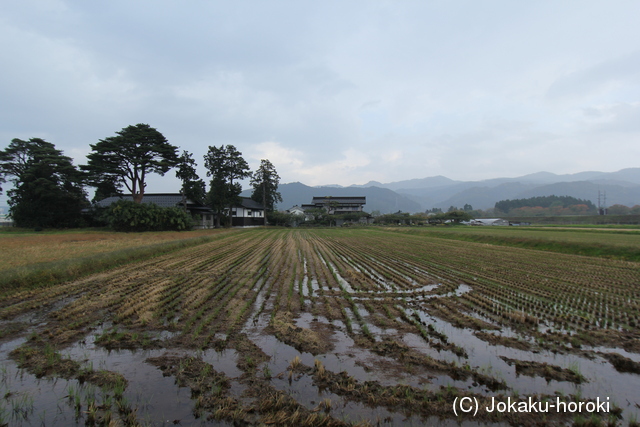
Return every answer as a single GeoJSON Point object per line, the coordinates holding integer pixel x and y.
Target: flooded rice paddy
{"type": "Point", "coordinates": [328, 327]}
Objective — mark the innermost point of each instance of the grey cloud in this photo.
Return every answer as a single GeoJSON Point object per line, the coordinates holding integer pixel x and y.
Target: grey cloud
{"type": "Point", "coordinates": [584, 82]}
{"type": "Point", "coordinates": [370, 104]}
{"type": "Point", "coordinates": [621, 117]}
{"type": "Point", "coordinates": [311, 77]}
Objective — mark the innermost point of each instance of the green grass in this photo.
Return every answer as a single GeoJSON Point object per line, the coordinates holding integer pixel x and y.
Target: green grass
{"type": "Point", "coordinates": [581, 220]}
{"type": "Point", "coordinates": [614, 244]}
{"type": "Point", "coordinates": [591, 226]}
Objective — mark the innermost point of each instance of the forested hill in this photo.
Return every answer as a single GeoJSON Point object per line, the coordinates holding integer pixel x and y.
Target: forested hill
{"type": "Point", "coordinates": [544, 201]}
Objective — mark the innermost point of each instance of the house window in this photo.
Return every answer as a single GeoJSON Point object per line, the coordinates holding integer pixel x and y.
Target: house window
{"type": "Point", "coordinates": [233, 213]}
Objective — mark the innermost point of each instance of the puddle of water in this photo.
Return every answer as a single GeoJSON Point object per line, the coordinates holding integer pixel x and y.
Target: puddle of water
{"type": "Point", "coordinates": [342, 282]}
{"type": "Point", "coordinates": [485, 319]}
{"type": "Point", "coordinates": [633, 356]}
{"type": "Point", "coordinates": [159, 401]}
{"type": "Point", "coordinates": [418, 343]}
{"type": "Point", "coordinates": [314, 286]}
{"type": "Point", "coordinates": [310, 396]}
{"type": "Point", "coordinates": [462, 289]}
{"type": "Point", "coordinates": [415, 296]}
{"type": "Point", "coordinates": [355, 326]}
{"type": "Point", "coordinates": [305, 320]}
{"type": "Point", "coordinates": [425, 288]}
{"type": "Point", "coordinates": [604, 380]}
{"type": "Point", "coordinates": [303, 288]}
{"type": "Point", "coordinates": [222, 361]}
{"type": "Point", "coordinates": [378, 332]}
{"type": "Point", "coordinates": [262, 293]}
{"type": "Point", "coordinates": [343, 357]}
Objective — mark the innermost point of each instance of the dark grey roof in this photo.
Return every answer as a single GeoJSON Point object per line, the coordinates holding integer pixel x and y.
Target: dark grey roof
{"type": "Point", "coordinates": [164, 200]}
{"type": "Point", "coordinates": [109, 200]}
{"type": "Point", "coordinates": [340, 199]}
{"type": "Point", "coordinates": [249, 203]}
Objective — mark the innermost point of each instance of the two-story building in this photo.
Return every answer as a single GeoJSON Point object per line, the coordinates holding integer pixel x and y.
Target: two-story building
{"type": "Point", "coordinates": [336, 205]}
{"type": "Point", "coordinates": [247, 213]}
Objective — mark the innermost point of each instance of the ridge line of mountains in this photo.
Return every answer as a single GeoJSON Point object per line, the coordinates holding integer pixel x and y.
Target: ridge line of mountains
{"type": "Point", "coordinates": [417, 195]}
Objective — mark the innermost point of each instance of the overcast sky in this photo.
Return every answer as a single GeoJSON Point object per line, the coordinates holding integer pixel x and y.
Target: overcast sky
{"type": "Point", "coordinates": [334, 92]}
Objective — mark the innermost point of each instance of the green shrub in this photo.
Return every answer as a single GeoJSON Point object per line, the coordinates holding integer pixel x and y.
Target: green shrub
{"type": "Point", "coordinates": [281, 218]}
{"type": "Point", "coordinates": [126, 215]}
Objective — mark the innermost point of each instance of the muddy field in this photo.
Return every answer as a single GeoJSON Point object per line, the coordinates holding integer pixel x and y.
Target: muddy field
{"type": "Point", "coordinates": [328, 327]}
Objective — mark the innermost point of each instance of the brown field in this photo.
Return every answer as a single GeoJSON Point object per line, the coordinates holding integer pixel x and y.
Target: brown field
{"type": "Point", "coordinates": [21, 249]}
{"type": "Point", "coordinates": [327, 327]}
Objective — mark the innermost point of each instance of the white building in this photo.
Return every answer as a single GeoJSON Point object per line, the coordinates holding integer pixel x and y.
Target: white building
{"type": "Point", "coordinates": [489, 221]}
{"type": "Point", "coordinates": [247, 213]}
{"type": "Point", "coordinates": [296, 210]}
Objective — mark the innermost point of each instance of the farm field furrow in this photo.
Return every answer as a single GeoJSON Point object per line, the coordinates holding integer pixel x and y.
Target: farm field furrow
{"type": "Point", "coordinates": [327, 327]}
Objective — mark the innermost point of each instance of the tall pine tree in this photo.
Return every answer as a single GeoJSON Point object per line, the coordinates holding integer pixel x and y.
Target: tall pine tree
{"type": "Point", "coordinates": [128, 157]}
{"type": "Point", "coordinates": [192, 186]}
{"type": "Point", "coordinates": [265, 183]}
{"type": "Point", "coordinates": [48, 188]}
{"type": "Point", "coordinates": [225, 166]}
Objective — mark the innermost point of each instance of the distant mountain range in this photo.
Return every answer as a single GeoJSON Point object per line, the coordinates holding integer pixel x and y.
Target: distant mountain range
{"type": "Point", "coordinates": [380, 199]}
{"type": "Point", "coordinates": [418, 195]}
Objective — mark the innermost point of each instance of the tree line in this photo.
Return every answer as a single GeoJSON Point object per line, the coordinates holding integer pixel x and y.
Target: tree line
{"type": "Point", "coordinates": [507, 206]}
{"type": "Point", "coordinates": [50, 191]}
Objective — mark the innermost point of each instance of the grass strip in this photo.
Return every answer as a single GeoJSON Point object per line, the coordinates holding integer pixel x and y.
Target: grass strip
{"type": "Point", "coordinates": [50, 273]}
{"type": "Point", "coordinates": [624, 253]}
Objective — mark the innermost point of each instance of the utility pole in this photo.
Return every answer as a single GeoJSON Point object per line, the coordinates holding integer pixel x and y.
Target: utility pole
{"type": "Point", "coordinates": [602, 207]}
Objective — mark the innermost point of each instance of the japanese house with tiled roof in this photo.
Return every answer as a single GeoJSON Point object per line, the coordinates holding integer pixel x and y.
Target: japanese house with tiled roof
{"type": "Point", "coordinates": [247, 213]}
{"type": "Point", "coordinates": [202, 215]}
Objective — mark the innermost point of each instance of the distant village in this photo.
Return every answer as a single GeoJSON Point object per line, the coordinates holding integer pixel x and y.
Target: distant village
{"type": "Point", "coordinates": [118, 165]}
{"type": "Point", "coordinates": [249, 213]}
{"type": "Point", "coordinates": [323, 210]}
